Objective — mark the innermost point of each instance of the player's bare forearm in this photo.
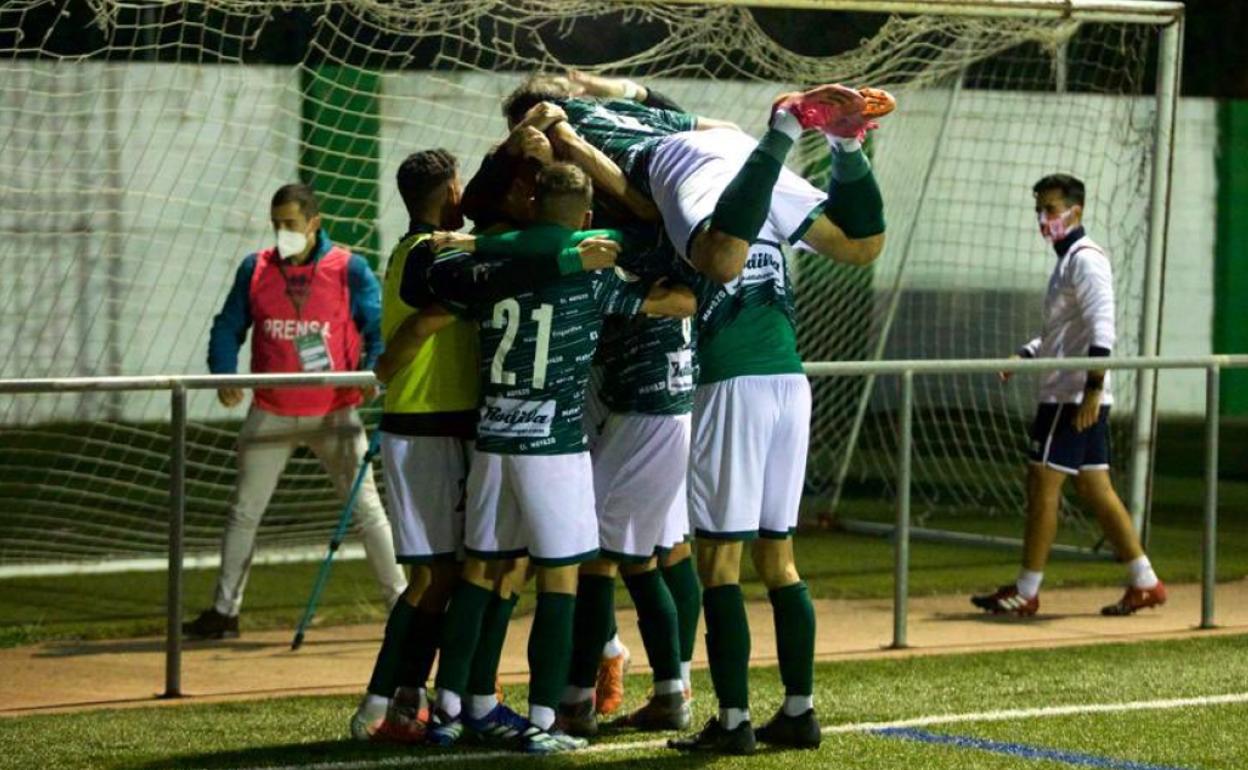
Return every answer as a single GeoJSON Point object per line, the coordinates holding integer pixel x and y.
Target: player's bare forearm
{"type": "Point", "coordinates": [606, 175]}
{"type": "Point", "coordinates": [706, 124]}
{"type": "Point", "coordinates": [407, 340]}
{"type": "Point", "coordinates": [670, 301]}
{"type": "Point", "coordinates": [827, 238]}
{"type": "Point", "coordinates": [604, 87]}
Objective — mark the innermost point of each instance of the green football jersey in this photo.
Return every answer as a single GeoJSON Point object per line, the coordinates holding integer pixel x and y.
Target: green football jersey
{"type": "Point", "coordinates": [536, 351]}
{"type": "Point", "coordinates": [649, 365]}
{"type": "Point", "coordinates": [749, 326]}
{"type": "Point", "coordinates": [626, 131]}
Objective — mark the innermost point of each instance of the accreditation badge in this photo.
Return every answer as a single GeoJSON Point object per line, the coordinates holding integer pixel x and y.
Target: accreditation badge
{"type": "Point", "coordinates": [313, 355]}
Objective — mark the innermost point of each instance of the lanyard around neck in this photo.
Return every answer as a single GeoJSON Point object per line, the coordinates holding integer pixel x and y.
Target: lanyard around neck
{"type": "Point", "coordinates": [297, 302]}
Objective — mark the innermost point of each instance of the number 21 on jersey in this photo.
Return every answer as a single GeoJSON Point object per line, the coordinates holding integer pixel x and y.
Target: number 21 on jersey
{"type": "Point", "coordinates": [507, 317]}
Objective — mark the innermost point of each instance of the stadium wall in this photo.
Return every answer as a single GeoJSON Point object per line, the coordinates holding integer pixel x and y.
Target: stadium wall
{"type": "Point", "coordinates": [186, 217]}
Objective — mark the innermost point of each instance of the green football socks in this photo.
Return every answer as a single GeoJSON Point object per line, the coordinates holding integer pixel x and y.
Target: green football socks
{"type": "Point", "coordinates": [593, 624]}
{"type": "Point", "coordinates": [854, 200]}
{"type": "Point", "coordinates": [483, 673]}
{"type": "Point", "coordinates": [424, 633]}
{"type": "Point", "coordinates": [460, 634]}
{"type": "Point", "coordinates": [744, 204]}
{"type": "Point", "coordinates": [550, 648]}
{"type": "Point", "coordinates": [656, 617]}
{"type": "Point", "coordinates": [728, 645]}
{"type": "Point", "coordinates": [795, 637]}
{"type": "Point", "coordinates": [682, 582]}
{"type": "Point", "coordinates": [390, 658]}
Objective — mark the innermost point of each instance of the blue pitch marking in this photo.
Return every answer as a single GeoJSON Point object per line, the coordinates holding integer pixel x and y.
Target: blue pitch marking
{"type": "Point", "coordinates": [1021, 750]}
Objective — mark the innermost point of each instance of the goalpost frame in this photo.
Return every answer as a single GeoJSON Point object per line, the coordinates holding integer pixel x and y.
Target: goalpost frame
{"type": "Point", "coordinates": [1157, 12]}
{"type": "Point", "coordinates": [1168, 17]}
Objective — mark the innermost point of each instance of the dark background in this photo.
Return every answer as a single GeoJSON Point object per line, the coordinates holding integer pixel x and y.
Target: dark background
{"type": "Point", "coordinates": [1215, 47]}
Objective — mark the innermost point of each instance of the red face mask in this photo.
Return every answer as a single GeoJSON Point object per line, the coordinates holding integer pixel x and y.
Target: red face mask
{"type": "Point", "coordinates": [1053, 229]}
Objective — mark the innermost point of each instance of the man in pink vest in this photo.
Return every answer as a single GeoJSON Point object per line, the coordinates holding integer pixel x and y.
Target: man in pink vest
{"type": "Point", "coordinates": [313, 305]}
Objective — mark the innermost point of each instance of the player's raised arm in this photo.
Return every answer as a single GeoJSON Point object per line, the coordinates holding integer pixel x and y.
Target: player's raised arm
{"type": "Point", "coordinates": [607, 176]}
{"type": "Point", "coordinates": [602, 87]}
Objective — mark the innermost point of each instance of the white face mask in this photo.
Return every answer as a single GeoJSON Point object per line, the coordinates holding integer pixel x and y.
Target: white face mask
{"type": "Point", "coordinates": [291, 243]}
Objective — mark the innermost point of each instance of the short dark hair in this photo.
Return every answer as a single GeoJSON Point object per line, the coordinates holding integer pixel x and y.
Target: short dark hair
{"type": "Point", "coordinates": [561, 186]}
{"type": "Point", "coordinates": [1071, 188]}
{"type": "Point", "coordinates": [297, 193]}
{"type": "Point", "coordinates": [537, 88]}
{"type": "Point", "coordinates": [421, 173]}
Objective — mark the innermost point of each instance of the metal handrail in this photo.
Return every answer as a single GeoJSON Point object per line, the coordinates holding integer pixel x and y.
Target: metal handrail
{"type": "Point", "coordinates": [814, 369]}
{"type": "Point", "coordinates": [178, 385]}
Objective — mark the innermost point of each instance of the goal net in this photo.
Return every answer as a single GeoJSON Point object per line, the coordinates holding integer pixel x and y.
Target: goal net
{"type": "Point", "coordinates": [141, 143]}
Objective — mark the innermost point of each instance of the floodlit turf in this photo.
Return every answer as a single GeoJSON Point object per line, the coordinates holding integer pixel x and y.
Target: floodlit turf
{"type": "Point", "coordinates": [298, 731]}
{"type": "Point", "coordinates": [834, 564]}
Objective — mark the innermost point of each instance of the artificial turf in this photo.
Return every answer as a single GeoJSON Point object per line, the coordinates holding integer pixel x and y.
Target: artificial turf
{"type": "Point", "coordinates": [306, 731]}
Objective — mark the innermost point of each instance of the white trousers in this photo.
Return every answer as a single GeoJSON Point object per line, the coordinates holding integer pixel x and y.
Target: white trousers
{"type": "Point", "coordinates": [265, 444]}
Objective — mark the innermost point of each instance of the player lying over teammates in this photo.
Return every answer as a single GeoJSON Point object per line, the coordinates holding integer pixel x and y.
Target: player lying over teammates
{"type": "Point", "coordinates": [753, 310]}
{"type": "Point", "coordinates": [1070, 434]}
{"type": "Point", "coordinates": [715, 186]}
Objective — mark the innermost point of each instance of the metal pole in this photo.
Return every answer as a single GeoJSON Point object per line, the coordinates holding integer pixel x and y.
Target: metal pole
{"type": "Point", "coordinates": [1090, 11]}
{"type": "Point", "coordinates": [901, 543]}
{"type": "Point", "coordinates": [177, 515]}
{"type": "Point", "coordinates": [1209, 545]}
{"type": "Point", "coordinates": [1168, 66]}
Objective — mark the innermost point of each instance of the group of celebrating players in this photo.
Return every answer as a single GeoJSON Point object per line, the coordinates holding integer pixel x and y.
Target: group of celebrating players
{"type": "Point", "coordinates": [503, 462]}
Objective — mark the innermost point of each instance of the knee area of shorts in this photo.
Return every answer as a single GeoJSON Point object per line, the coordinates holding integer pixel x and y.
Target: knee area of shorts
{"type": "Point", "coordinates": [600, 568]}
{"type": "Point", "coordinates": [629, 570]}
{"type": "Point", "coordinates": [775, 565]}
{"type": "Point", "coordinates": [779, 575]}
{"type": "Point", "coordinates": [419, 577]}
{"type": "Point", "coordinates": [719, 562]}
{"type": "Point", "coordinates": [676, 555]}
{"type": "Point", "coordinates": [477, 572]}
{"type": "Point", "coordinates": [560, 580]}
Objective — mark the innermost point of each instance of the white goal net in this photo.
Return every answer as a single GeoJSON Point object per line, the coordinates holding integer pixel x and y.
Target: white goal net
{"type": "Point", "coordinates": [140, 143]}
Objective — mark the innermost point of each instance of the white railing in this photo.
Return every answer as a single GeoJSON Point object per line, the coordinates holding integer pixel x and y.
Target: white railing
{"type": "Point", "coordinates": [906, 370]}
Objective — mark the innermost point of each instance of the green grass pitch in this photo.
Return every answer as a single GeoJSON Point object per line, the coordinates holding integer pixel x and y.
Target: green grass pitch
{"type": "Point", "coordinates": [310, 731]}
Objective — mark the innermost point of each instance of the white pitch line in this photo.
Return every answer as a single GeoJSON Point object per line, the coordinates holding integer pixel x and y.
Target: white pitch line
{"type": "Point", "coordinates": [1003, 715]}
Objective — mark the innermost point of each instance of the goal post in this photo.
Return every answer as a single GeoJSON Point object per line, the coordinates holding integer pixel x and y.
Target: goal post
{"type": "Point", "coordinates": [142, 143]}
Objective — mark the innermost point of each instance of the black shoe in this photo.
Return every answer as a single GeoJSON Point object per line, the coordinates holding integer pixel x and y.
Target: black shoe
{"type": "Point", "coordinates": [578, 719]}
{"type": "Point", "coordinates": [799, 732]}
{"type": "Point", "coordinates": [661, 712]}
{"type": "Point", "coordinates": [714, 738]}
{"type": "Point", "coordinates": [211, 625]}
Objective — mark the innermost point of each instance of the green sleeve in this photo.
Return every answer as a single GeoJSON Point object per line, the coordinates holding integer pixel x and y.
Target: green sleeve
{"type": "Point", "coordinates": [543, 244]}
{"type": "Point", "coordinates": [518, 243]}
{"type": "Point", "coordinates": [667, 121]}
{"type": "Point", "coordinates": [540, 246]}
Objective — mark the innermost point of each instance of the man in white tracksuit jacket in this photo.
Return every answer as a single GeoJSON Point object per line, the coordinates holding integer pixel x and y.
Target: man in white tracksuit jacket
{"type": "Point", "coordinates": [1070, 434]}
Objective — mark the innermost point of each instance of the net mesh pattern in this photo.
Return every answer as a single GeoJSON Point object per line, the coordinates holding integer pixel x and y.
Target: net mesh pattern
{"type": "Point", "coordinates": [139, 146]}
